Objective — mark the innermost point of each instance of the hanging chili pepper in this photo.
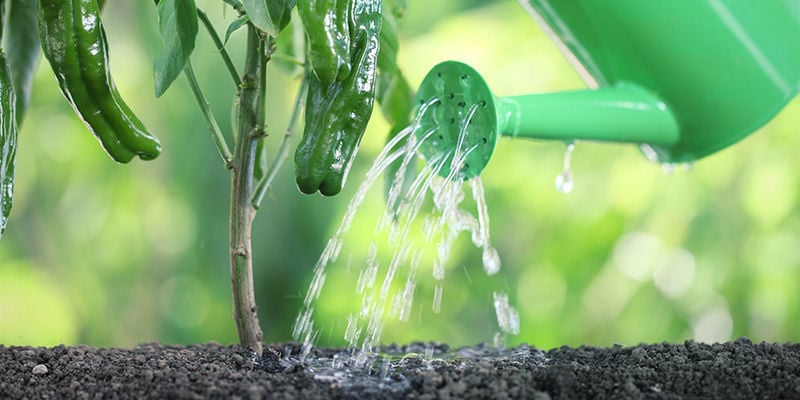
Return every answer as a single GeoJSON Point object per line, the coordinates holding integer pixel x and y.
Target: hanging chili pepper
{"type": "Point", "coordinates": [327, 27]}
{"type": "Point", "coordinates": [337, 113]}
{"type": "Point", "coordinates": [74, 42]}
{"type": "Point", "coordinates": [8, 141]}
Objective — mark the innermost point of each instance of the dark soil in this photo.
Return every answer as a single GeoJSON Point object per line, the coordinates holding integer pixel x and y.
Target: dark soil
{"type": "Point", "coordinates": [735, 370]}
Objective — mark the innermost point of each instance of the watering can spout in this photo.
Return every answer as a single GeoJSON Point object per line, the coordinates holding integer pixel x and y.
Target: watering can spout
{"type": "Point", "coordinates": [620, 113]}
{"type": "Point", "coordinates": [461, 104]}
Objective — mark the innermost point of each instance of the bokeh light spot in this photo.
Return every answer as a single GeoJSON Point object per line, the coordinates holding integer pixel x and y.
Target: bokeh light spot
{"type": "Point", "coordinates": [185, 300]}
{"type": "Point", "coordinates": [675, 274]}
{"type": "Point", "coordinates": [713, 326]}
{"type": "Point", "coordinates": [637, 254]}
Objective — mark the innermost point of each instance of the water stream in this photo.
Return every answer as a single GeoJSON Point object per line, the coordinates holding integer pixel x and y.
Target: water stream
{"type": "Point", "coordinates": [382, 291]}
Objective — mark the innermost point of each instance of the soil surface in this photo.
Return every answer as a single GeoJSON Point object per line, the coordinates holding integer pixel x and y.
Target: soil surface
{"type": "Point", "coordinates": [734, 370]}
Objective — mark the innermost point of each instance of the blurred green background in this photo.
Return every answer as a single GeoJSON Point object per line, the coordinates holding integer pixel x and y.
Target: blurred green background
{"type": "Point", "coordinates": [115, 255]}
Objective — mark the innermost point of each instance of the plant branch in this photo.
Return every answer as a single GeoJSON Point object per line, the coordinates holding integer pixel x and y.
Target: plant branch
{"type": "Point", "coordinates": [216, 133]}
{"type": "Point", "coordinates": [220, 46]}
{"type": "Point", "coordinates": [245, 312]}
{"type": "Point", "coordinates": [266, 53]}
{"type": "Point", "coordinates": [283, 151]}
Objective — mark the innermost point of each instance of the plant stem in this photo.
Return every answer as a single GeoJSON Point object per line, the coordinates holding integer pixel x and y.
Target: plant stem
{"type": "Point", "coordinates": [283, 151]}
{"type": "Point", "coordinates": [216, 133]}
{"type": "Point", "coordinates": [242, 212]}
{"type": "Point", "coordinates": [220, 46]}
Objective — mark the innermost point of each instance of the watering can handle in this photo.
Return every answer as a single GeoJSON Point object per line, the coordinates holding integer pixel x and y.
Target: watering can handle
{"type": "Point", "coordinates": [621, 113]}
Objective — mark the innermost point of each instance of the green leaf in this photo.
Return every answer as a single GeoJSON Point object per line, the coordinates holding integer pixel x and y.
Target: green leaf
{"type": "Point", "coordinates": [177, 21]}
{"type": "Point", "coordinates": [234, 26]}
{"type": "Point", "coordinates": [21, 43]}
{"type": "Point", "coordinates": [390, 41]}
{"type": "Point", "coordinates": [281, 12]}
{"type": "Point", "coordinates": [393, 92]}
{"type": "Point", "coordinates": [394, 95]}
{"type": "Point", "coordinates": [270, 16]}
{"type": "Point", "coordinates": [395, 98]}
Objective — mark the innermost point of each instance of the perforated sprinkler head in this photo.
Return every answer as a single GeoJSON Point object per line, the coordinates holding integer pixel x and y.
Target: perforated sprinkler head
{"type": "Point", "coordinates": [453, 98]}
{"type": "Point", "coordinates": [460, 101]}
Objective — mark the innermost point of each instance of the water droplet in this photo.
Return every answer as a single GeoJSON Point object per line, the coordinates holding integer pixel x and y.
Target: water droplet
{"type": "Point", "coordinates": [438, 269]}
{"type": "Point", "coordinates": [428, 351]}
{"type": "Point", "coordinates": [499, 340]}
{"type": "Point", "coordinates": [444, 248]}
{"type": "Point", "coordinates": [353, 331]}
{"type": "Point", "coordinates": [437, 299]}
{"type": "Point", "coordinates": [649, 152]}
{"type": "Point", "coordinates": [564, 181]}
{"type": "Point", "coordinates": [491, 260]}
{"type": "Point", "coordinates": [669, 168]}
{"type": "Point", "coordinates": [479, 195]}
{"type": "Point", "coordinates": [303, 323]}
{"type": "Point", "coordinates": [428, 228]}
{"type": "Point", "coordinates": [408, 299]}
{"type": "Point", "coordinates": [336, 361]}
{"type": "Point", "coordinates": [366, 278]}
{"type": "Point", "coordinates": [507, 316]}
{"type": "Point", "coordinates": [384, 368]}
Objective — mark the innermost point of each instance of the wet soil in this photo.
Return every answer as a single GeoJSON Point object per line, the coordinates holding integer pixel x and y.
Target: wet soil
{"type": "Point", "coordinates": [734, 370]}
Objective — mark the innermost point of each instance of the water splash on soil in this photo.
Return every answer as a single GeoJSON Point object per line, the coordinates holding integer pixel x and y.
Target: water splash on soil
{"type": "Point", "coordinates": [390, 368]}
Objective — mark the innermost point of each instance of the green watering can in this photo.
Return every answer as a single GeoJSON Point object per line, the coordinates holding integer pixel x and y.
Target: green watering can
{"type": "Point", "coordinates": [681, 78]}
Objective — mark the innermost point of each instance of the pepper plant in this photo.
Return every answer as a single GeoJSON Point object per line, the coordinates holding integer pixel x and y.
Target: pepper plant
{"type": "Point", "coordinates": [346, 59]}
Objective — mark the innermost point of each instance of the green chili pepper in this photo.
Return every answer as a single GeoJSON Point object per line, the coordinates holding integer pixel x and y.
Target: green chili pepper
{"type": "Point", "coordinates": [8, 141]}
{"type": "Point", "coordinates": [21, 43]}
{"type": "Point", "coordinates": [337, 113]}
{"type": "Point", "coordinates": [74, 43]}
{"type": "Point", "coordinates": [326, 23]}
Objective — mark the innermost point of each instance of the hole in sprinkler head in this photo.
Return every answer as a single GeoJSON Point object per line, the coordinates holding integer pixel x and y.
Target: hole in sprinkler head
{"type": "Point", "coordinates": [463, 76]}
{"type": "Point", "coordinates": [452, 120]}
{"type": "Point", "coordinates": [438, 74]}
{"type": "Point", "coordinates": [485, 140]}
{"type": "Point", "coordinates": [441, 137]}
{"type": "Point", "coordinates": [466, 166]}
{"type": "Point", "coordinates": [483, 103]}
{"type": "Point", "coordinates": [451, 96]}
{"type": "Point", "coordinates": [462, 104]}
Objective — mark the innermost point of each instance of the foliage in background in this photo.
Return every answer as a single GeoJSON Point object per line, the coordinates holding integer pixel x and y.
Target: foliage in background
{"type": "Point", "coordinates": [108, 255]}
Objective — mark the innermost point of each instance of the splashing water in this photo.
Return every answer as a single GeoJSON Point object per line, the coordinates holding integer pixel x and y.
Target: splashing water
{"type": "Point", "coordinates": [381, 296]}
